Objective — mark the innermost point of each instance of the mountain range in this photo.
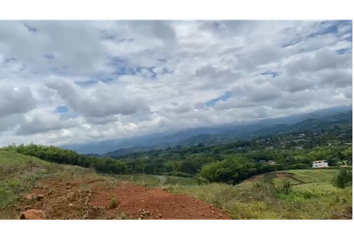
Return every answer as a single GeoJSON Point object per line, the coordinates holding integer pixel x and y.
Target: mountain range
{"type": "Point", "coordinates": [216, 134]}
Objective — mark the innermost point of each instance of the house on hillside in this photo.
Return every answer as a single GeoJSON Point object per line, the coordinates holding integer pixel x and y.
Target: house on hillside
{"type": "Point", "coordinates": [319, 164]}
{"type": "Point", "coordinates": [271, 162]}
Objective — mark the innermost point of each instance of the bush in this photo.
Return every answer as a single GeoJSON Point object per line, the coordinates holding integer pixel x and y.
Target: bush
{"type": "Point", "coordinates": [286, 188]}
{"type": "Point", "coordinates": [343, 179]}
{"type": "Point", "coordinates": [113, 203]}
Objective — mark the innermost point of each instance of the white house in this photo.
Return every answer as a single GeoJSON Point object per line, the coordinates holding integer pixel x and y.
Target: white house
{"type": "Point", "coordinates": [319, 164]}
{"type": "Point", "coordinates": [271, 162]}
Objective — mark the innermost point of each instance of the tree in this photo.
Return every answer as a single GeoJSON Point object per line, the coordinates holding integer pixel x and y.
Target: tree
{"type": "Point", "coordinates": [231, 170]}
{"type": "Point", "coordinates": [343, 179]}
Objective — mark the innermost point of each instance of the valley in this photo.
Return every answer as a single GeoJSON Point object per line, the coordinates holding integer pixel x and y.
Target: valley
{"type": "Point", "coordinates": [266, 177]}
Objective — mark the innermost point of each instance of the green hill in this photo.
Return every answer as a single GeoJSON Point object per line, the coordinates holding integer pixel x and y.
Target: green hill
{"type": "Point", "coordinates": [19, 173]}
{"type": "Point", "coordinates": [311, 197]}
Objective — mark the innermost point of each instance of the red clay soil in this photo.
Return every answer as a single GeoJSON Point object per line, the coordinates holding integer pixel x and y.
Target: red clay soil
{"type": "Point", "coordinates": [70, 200]}
{"type": "Point", "coordinates": [145, 203]}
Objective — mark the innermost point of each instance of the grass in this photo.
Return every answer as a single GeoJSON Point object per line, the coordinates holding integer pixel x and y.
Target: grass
{"type": "Point", "coordinates": [19, 173]}
{"type": "Point", "coordinates": [146, 179]}
{"type": "Point", "coordinates": [307, 176]}
{"type": "Point", "coordinates": [181, 181]}
{"type": "Point", "coordinates": [315, 175]}
{"type": "Point", "coordinates": [316, 199]}
{"type": "Point", "coordinates": [11, 159]}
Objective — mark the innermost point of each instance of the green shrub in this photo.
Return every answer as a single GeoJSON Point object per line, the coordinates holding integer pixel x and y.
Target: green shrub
{"type": "Point", "coordinates": [286, 188]}
{"type": "Point", "coordinates": [113, 203]}
{"type": "Point", "coordinates": [343, 179]}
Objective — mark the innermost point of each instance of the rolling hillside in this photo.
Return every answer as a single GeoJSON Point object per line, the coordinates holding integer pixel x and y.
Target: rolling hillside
{"type": "Point", "coordinates": [31, 188]}
{"type": "Point", "coordinates": [70, 192]}
{"type": "Point", "coordinates": [311, 197]}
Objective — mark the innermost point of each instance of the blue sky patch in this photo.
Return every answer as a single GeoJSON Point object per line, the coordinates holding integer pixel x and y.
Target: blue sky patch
{"type": "Point", "coordinates": [166, 71]}
{"type": "Point", "coordinates": [343, 51]}
{"type": "Point", "coordinates": [274, 74]}
{"type": "Point", "coordinates": [49, 56]}
{"type": "Point", "coordinates": [10, 60]}
{"type": "Point", "coordinates": [121, 71]}
{"type": "Point", "coordinates": [291, 43]}
{"type": "Point", "coordinates": [349, 39]}
{"type": "Point", "coordinates": [122, 67]}
{"type": "Point", "coordinates": [29, 28]}
{"type": "Point", "coordinates": [152, 73]}
{"type": "Point", "coordinates": [62, 109]}
{"type": "Point", "coordinates": [224, 97]}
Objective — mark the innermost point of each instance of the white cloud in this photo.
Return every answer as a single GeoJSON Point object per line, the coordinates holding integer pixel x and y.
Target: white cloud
{"type": "Point", "coordinates": [15, 100]}
{"type": "Point", "coordinates": [127, 78]}
{"type": "Point", "coordinates": [38, 121]}
{"type": "Point", "coordinates": [103, 101]}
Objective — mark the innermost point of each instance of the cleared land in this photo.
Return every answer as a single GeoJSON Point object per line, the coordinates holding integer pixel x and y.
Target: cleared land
{"type": "Point", "coordinates": [69, 192]}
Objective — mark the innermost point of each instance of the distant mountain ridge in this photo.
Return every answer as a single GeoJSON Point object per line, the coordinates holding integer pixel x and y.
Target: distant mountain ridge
{"type": "Point", "coordinates": [210, 135]}
{"type": "Point", "coordinates": [339, 120]}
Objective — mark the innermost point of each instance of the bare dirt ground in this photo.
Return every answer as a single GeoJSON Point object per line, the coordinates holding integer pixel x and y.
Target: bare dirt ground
{"type": "Point", "coordinates": [92, 199]}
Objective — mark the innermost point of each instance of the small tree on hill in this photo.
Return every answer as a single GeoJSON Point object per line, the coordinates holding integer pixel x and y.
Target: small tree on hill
{"type": "Point", "coordinates": [343, 179]}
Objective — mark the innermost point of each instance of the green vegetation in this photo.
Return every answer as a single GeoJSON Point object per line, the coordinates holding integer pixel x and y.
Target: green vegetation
{"type": "Point", "coordinates": [113, 203]}
{"type": "Point", "coordinates": [237, 161]}
{"type": "Point", "coordinates": [228, 163]}
{"type": "Point", "coordinates": [63, 156]}
{"type": "Point", "coordinates": [343, 178]}
{"type": "Point", "coordinates": [263, 199]}
{"type": "Point", "coordinates": [183, 181]}
{"type": "Point", "coordinates": [19, 173]}
{"type": "Point", "coordinates": [148, 180]}
{"type": "Point", "coordinates": [269, 177]}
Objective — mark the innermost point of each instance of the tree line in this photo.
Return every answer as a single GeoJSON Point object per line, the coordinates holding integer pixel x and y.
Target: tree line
{"type": "Point", "coordinates": [64, 156]}
{"type": "Point", "coordinates": [228, 163]}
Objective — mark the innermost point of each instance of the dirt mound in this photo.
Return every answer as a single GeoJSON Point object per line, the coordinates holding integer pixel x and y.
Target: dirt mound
{"type": "Point", "coordinates": [92, 199]}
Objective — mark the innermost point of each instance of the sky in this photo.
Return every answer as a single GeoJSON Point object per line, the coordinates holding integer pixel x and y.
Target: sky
{"type": "Point", "coordinates": [65, 82]}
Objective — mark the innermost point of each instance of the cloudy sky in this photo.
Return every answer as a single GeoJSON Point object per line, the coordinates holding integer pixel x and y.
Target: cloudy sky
{"type": "Point", "coordinates": [72, 82]}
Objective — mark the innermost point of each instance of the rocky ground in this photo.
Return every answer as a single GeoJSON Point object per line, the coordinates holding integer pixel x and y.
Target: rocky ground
{"type": "Point", "coordinates": [95, 199]}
